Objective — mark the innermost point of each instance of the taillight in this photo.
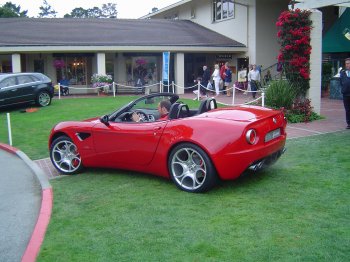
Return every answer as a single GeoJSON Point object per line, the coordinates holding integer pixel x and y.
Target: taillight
{"type": "Point", "coordinates": [251, 136]}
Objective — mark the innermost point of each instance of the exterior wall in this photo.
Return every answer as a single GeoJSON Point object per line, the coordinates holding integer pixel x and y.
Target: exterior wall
{"type": "Point", "coordinates": [203, 16]}
{"type": "Point", "coordinates": [266, 31]}
{"type": "Point", "coordinates": [316, 61]}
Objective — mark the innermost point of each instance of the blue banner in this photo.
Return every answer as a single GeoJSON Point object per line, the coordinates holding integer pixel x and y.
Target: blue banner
{"type": "Point", "coordinates": [166, 61]}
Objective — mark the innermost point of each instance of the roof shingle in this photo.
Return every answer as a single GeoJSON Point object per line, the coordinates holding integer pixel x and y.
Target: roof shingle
{"type": "Point", "coordinates": [108, 32]}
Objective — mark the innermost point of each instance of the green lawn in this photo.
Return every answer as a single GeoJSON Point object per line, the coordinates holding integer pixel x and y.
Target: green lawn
{"type": "Point", "coordinates": [297, 210]}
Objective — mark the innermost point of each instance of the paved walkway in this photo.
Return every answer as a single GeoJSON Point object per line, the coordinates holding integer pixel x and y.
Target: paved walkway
{"type": "Point", "coordinates": [22, 196]}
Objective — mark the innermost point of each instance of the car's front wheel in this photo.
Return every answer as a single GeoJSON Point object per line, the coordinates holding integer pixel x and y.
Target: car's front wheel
{"type": "Point", "coordinates": [65, 156]}
{"type": "Point", "coordinates": [43, 99]}
{"type": "Point", "coordinates": [191, 169]}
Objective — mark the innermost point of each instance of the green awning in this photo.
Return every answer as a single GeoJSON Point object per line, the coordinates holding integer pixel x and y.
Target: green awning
{"type": "Point", "coordinates": [335, 40]}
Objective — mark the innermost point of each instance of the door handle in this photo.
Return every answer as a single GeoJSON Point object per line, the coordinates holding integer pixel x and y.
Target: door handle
{"type": "Point", "coordinates": [14, 90]}
{"type": "Point", "coordinates": [157, 128]}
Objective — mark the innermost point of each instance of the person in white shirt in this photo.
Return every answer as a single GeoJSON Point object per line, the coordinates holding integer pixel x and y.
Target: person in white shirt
{"type": "Point", "coordinates": [216, 77]}
{"type": "Point", "coordinates": [253, 77]}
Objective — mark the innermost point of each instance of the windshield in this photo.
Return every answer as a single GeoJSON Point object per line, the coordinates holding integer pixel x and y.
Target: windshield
{"type": "Point", "coordinates": [150, 103]}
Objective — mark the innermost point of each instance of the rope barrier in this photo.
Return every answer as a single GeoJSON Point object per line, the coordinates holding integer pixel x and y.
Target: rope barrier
{"type": "Point", "coordinates": [197, 92]}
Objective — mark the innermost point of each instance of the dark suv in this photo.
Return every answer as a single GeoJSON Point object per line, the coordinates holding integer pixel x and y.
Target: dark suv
{"type": "Point", "coordinates": [19, 88]}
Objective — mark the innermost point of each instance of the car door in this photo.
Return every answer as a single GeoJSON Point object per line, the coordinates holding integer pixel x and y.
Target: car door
{"type": "Point", "coordinates": [8, 91]}
{"type": "Point", "coordinates": [128, 142]}
{"type": "Point", "coordinates": [27, 85]}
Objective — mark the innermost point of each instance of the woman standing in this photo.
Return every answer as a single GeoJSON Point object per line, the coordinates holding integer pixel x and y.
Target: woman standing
{"type": "Point", "coordinates": [216, 77]}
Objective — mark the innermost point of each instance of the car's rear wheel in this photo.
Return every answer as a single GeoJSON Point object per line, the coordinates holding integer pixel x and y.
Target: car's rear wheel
{"type": "Point", "coordinates": [191, 169]}
{"type": "Point", "coordinates": [43, 99]}
{"type": "Point", "coordinates": [65, 156]}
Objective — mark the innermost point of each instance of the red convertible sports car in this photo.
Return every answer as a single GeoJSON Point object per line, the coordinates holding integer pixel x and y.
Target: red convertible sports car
{"type": "Point", "coordinates": [193, 147]}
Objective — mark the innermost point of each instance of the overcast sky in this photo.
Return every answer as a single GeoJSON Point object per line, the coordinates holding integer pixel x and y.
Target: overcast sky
{"type": "Point", "coordinates": [125, 8]}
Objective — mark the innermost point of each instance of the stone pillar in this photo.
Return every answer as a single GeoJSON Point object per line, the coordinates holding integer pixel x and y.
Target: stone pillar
{"type": "Point", "coordinates": [101, 63]}
{"type": "Point", "coordinates": [314, 92]}
{"type": "Point", "coordinates": [16, 63]}
{"type": "Point", "coordinates": [50, 70]}
{"type": "Point", "coordinates": [179, 65]}
{"type": "Point", "coordinates": [119, 68]}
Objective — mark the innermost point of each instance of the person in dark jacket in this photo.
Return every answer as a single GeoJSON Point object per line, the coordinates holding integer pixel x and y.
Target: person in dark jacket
{"type": "Point", "coordinates": [345, 89]}
{"type": "Point", "coordinates": [205, 80]}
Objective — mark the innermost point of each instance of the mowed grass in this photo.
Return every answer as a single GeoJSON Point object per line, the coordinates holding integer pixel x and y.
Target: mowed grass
{"type": "Point", "coordinates": [297, 210]}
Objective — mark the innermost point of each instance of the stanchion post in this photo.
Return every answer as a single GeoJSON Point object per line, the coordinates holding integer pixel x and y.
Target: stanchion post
{"type": "Point", "coordinates": [199, 90]}
{"type": "Point", "coordinates": [233, 93]}
{"type": "Point", "coordinates": [59, 91]}
{"type": "Point", "coordinates": [9, 128]}
{"type": "Point", "coordinates": [263, 99]}
{"type": "Point", "coordinates": [113, 86]}
{"type": "Point", "coordinates": [173, 86]}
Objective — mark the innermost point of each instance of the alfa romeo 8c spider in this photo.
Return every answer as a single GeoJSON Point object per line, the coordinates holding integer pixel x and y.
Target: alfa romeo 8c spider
{"type": "Point", "coordinates": [193, 147]}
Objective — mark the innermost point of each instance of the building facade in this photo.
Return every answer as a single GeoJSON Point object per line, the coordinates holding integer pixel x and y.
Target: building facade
{"type": "Point", "coordinates": [60, 47]}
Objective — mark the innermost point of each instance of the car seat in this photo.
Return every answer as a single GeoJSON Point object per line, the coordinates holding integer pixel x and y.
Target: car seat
{"type": "Point", "coordinates": [207, 105]}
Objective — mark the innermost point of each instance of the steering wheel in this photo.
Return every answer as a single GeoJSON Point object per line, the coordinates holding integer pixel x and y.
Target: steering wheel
{"type": "Point", "coordinates": [143, 116]}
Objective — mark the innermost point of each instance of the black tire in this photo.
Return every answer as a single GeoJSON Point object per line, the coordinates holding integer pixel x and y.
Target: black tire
{"type": "Point", "coordinates": [43, 99]}
{"type": "Point", "coordinates": [65, 157]}
{"type": "Point", "coordinates": [191, 169]}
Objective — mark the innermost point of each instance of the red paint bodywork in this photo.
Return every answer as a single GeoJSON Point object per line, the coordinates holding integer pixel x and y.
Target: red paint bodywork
{"type": "Point", "coordinates": [145, 147]}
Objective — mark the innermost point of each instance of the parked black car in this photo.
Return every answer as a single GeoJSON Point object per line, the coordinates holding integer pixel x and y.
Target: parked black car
{"type": "Point", "coordinates": [20, 88]}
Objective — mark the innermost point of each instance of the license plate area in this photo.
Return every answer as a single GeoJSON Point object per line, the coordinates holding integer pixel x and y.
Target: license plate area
{"type": "Point", "coordinates": [272, 135]}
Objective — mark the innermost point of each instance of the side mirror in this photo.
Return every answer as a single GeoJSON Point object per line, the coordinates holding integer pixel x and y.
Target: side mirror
{"type": "Point", "coordinates": [105, 120]}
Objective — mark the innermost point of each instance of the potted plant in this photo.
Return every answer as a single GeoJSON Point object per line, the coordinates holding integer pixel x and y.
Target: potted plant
{"type": "Point", "coordinates": [101, 81]}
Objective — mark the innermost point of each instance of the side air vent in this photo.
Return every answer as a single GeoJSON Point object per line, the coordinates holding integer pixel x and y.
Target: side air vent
{"type": "Point", "coordinates": [83, 136]}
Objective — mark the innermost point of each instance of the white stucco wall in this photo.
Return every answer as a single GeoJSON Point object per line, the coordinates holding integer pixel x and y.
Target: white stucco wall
{"type": "Point", "coordinates": [316, 61]}
{"type": "Point", "coordinates": [267, 46]}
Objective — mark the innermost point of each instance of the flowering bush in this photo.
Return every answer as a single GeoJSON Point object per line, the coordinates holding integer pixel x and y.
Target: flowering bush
{"type": "Point", "coordinates": [294, 38]}
{"type": "Point", "coordinates": [101, 80]}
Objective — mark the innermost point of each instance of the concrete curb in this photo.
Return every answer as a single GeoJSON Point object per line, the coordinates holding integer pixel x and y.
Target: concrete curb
{"type": "Point", "coordinates": [39, 231]}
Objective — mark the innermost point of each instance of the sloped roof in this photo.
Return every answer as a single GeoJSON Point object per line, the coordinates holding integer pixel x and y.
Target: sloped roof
{"type": "Point", "coordinates": [108, 32]}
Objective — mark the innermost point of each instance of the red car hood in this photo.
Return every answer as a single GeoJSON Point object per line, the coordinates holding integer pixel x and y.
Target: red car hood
{"type": "Point", "coordinates": [95, 119]}
{"type": "Point", "coordinates": [242, 113]}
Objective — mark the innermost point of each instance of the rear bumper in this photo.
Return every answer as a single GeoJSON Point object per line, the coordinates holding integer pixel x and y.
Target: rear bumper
{"type": "Point", "coordinates": [267, 161]}
{"type": "Point", "coordinates": [232, 164]}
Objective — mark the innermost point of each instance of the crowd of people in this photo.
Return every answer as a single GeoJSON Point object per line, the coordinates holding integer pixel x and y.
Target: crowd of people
{"type": "Point", "coordinates": [222, 78]}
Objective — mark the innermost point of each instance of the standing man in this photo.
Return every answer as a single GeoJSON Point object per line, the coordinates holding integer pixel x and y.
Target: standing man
{"type": "Point", "coordinates": [345, 89]}
{"type": "Point", "coordinates": [253, 78]}
{"type": "Point", "coordinates": [205, 80]}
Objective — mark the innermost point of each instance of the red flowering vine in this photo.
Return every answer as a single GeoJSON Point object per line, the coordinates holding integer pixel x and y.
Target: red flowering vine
{"type": "Point", "coordinates": [294, 37]}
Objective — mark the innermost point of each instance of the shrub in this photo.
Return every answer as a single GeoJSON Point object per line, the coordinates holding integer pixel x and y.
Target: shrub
{"type": "Point", "coordinates": [301, 111]}
{"type": "Point", "coordinates": [280, 94]}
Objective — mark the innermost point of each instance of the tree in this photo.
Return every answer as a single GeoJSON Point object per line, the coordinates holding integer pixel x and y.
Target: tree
{"type": "Point", "coordinates": [47, 10]}
{"type": "Point", "coordinates": [11, 10]}
{"type": "Point", "coordinates": [107, 11]}
{"type": "Point", "coordinates": [77, 13]}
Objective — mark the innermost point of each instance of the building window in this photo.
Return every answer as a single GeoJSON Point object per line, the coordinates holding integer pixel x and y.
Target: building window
{"type": "Point", "coordinates": [193, 13]}
{"type": "Point", "coordinates": [223, 9]}
{"type": "Point", "coordinates": [142, 70]}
